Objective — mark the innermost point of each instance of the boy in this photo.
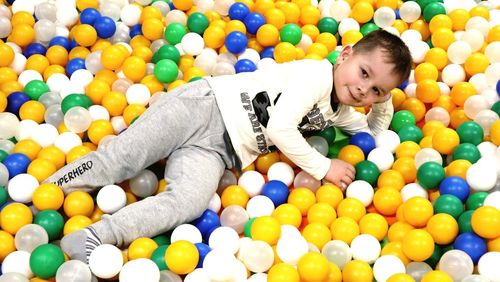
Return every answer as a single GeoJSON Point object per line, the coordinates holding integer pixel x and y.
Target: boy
{"type": "Point", "coordinates": [226, 121]}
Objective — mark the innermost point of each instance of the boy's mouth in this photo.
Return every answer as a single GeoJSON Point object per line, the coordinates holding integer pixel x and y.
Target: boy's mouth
{"type": "Point", "coordinates": [352, 95]}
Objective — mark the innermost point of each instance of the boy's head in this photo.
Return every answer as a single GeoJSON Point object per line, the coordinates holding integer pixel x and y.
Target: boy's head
{"type": "Point", "coordinates": [367, 71]}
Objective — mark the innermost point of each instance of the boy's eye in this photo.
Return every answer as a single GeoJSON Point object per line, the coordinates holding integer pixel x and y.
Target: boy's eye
{"type": "Point", "coordinates": [364, 73]}
{"type": "Point", "coordinates": [375, 89]}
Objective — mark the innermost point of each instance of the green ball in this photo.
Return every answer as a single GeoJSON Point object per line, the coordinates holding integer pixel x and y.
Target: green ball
{"type": "Point", "coordinates": [291, 33]}
{"type": "Point", "coordinates": [424, 3]}
{"type": "Point", "coordinates": [449, 204]}
{"type": "Point", "coordinates": [174, 33]}
{"type": "Point", "coordinates": [75, 100]}
{"type": "Point", "coordinates": [166, 52]}
{"type": "Point", "coordinates": [158, 257]}
{"type": "Point", "coordinates": [368, 171]}
{"type": "Point", "coordinates": [329, 135]}
{"type": "Point", "coordinates": [328, 24]}
{"type": "Point", "coordinates": [433, 260]}
{"type": "Point", "coordinates": [197, 22]}
{"type": "Point", "coordinates": [496, 107]}
{"type": "Point", "coordinates": [36, 88]}
{"type": "Point", "coordinates": [464, 223]}
{"type": "Point", "coordinates": [410, 133]}
{"type": "Point", "coordinates": [3, 155]}
{"type": "Point", "coordinates": [248, 227]}
{"type": "Point", "coordinates": [52, 222]}
{"type": "Point", "coordinates": [4, 195]}
{"type": "Point", "coordinates": [162, 240]}
{"type": "Point", "coordinates": [433, 9]}
{"type": "Point", "coordinates": [466, 151]}
{"type": "Point", "coordinates": [166, 71]}
{"type": "Point", "coordinates": [475, 200]}
{"type": "Point", "coordinates": [45, 260]}
{"type": "Point", "coordinates": [332, 57]}
{"type": "Point", "coordinates": [470, 132]}
{"type": "Point", "coordinates": [368, 27]}
{"type": "Point", "coordinates": [402, 118]}
{"type": "Point", "coordinates": [430, 174]}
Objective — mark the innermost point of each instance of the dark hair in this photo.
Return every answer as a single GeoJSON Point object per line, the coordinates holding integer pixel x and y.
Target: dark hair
{"type": "Point", "coordinates": [396, 51]}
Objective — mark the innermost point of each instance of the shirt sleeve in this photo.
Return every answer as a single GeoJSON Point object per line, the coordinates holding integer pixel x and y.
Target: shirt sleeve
{"type": "Point", "coordinates": [378, 119]}
{"type": "Point", "coordinates": [295, 102]}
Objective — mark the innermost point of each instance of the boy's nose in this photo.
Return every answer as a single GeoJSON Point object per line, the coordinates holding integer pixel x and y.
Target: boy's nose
{"type": "Point", "coordinates": [362, 90]}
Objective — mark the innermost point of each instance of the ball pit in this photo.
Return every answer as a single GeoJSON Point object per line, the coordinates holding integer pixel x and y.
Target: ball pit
{"type": "Point", "coordinates": [424, 204]}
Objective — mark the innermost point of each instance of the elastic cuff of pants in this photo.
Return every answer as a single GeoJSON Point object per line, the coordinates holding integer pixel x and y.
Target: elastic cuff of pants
{"type": "Point", "coordinates": [104, 231]}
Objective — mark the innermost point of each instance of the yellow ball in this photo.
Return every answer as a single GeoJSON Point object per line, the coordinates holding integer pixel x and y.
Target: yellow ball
{"type": "Point", "coordinates": [351, 207]}
{"type": "Point", "coordinates": [445, 140]}
{"type": "Point", "coordinates": [152, 28]}
{"type": "Point", "coordinates": [317, 49]}
{"type": "Point", "coordinates": [476, 63]}
{"type": "Point", "coordinates": [284, 52]}
{"type": "Point", "coordinates": [214, 37]}
{"type": "Point", "coordinates": [57, 55]}
{"type": "Point", "coordinates": [7, 55]}
{"type": "Point", "coordinates": [327, 39]}
{"type": "Point", "coordinates": [422, 27]}
{"type": "Point", "coordinates": [480, 11]}
{"type": "Point", "coordinates": [288, 214]}
{"type": "Point", "coordinates": [141, 248]}
{"type": "Point", "coordinates": [321, 213]}
{"type": "Point", "coordinates": [426, 71]}
{"type": "Point", "coordinates": [181, 257]}
{"type": "Point", "coordinates": [7, 74]}
{"type": "Point", "coordinates": [418, 245]}
{"type": "Point", "coordinates": [395, 249]}
{"type": "Point", "coordinates": [442, 38]}
{"type": "Point", "coordinates": [27, 147]}
{"type": "Point", "coordinates": [398, 230]}
{"type": "Point", "coordinates": [41, 169]}
{"type": "Point", "coordinates": [22, 17]}
{"type": "Point", "coordinates": [302, 198]}
{"type": "Point", "coordinates": [400, 25]}
{"type": "Point", "coordinates": [175, 84]}
{"type": "Point", "coordinates": [485, 222]}
{"type": "Point", "coordinates": [407, 149]}
{"type": "Point", "coordinates": [261, 6]}
{"type": "Point", "coordinates": [387, 200]}
{"type": "Point", "coordinates": [114, 102]}
{"type": "Point", "coordinates": [96, 89]}
{"type": "Point", "coordinates": [351, 154]}
{"type": "Point", "coordinates": [32, 110]}
{"type": "Point", "coordinates": [54, 155]}
{"type": "Point", "coordinates": [235, 25]}
{"type": "Point", "coordinates": [330, 194]}
{"type": "Point", "coordinates": [7, 245]}
{"type": "Point", "coordinates": [351, 37]}
{"type": "Point", "coordinates": [375, 225]}
{"type": "Point", "coordinates": [493, 34]}
{"type": "Point", "coordinates": [417, 211]}
{"type": "Point", "coordinates": [76, 223]}
{"type": "Point", "coordinates": [283, 272]}
{"type": "Point", "coordinates": [391, 178]}
{"type": "Point", "coordinates": [265, 161]}
{"type": "Point", "coordinates": [357, 271]}
{"type": "Point", "coordinates": [131, 112]}
{"type": "Point", "coordinates": [85, 35]}
{"type": "Point", "coordinates": [268, 35]}
{"type": "Point", "coordinates": [48, 196]}
{"type": "Point", "coordinates": [313, 267]}
{"type": "Point", "coordinates": [78, 203]}
{"type": "Point", "coordinates": [317, 234]}
{"type": "Point", "coordinates": [438, 57]}
{"type": "Point", "coordinates": [3, 101]}
{"type": "Point", "coordinates": [99, 129]}
{"type": "Point", "coordinates": [134, 68]}
{"type": "Point", "coordinates": [311, 30]}
{"type": "Point", "coordinates": [193, 72]}
{"type": "Point", "coordinates": [459, 18]}
{"type": "Point", "coordinates": [77, 152]}
{"type": "Point", "coordinates": [495, 133]}
{"type": "Point", "coordinates": [14, 216]}
{"type": "Point", "coordinates": [112, 57]}
{"type": "Point", "coordinates": [344, 229]}
{"type": "Point", "coordinates": [309, 14]}
{"type": "Point", "coordinates": [400, 277]}
{"type": "Point", "coordinates": [22, 34]}
{"type": "Point", "coordinates": [432, 127]}
{"type": "Point", "coordinates": [38, 63]}
{"type": "Point", "coordinates": [440, 21]}
{"type": "Point", "coordinates": [362, 12]}
{"type": "Point", "coordinates": [428, 91]}
{"type": "Point", "coordinates": [84, 4]}
{"type": "Point", "coordinates": [267, 229]}
{"type": "Point", "coordinates": [234, 195]}
{"type": "Point", "coordinates": [458, 168]}
{"type": "Point", "coordinates": [436, 276]}
{"type": "Point", "coordinates": [443, 228]}
{"type": "Point", "coordinates": [291, 11]}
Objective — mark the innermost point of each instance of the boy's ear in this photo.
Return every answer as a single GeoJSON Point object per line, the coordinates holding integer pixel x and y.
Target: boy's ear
{"type": "Point", "coordinates": [344, 54]}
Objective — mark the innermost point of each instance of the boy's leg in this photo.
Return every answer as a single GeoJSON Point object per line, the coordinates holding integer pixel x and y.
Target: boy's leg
{"type": "Point", "coordinates": [192, 174]}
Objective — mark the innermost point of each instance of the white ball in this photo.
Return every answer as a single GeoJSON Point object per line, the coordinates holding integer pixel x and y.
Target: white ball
{"type": "Point", "coordinates": [219, 265]}
{"type": "Point", "coordinates": [138, 94]}
{"type": "Point", "coordinates": [17, 261]}
{"type": "Point", "coordinates": [305, 42]}
{"type": "Point", "coordinates": [382, 158]}
{"type": "Point", "coordinates": [387, 139]}
{"type": "Point", "coordinates": [140, 270]}
{"type": "Point", "coordinates": [485, 118]}
{"type": "Point", "coordinates": [111, 198]}
{"type": "Point", "coordinates": [348, 24]}
{"type": "Point", "coordinates": [340, 10]}
{"type": "Point", "coordinates": [23, 6]}
{"type": "Point", "coordinates": [222, 6]}
{"type": "Point", "coordinates": [98, 112]}
{"type": "Point", "coordinates": [490, 95]}
{"type": "Point", "coordinates": [259, 257]}
{"type": "Point", "coordinates": [493, 200]}
{"type": "Point", "coordinates": [118, 124]}
{"type": "Point", "coordinates": [492, 52]}
{"type": "Point", "coordinates": [488, 266]}
{"type": "Point", "coordinates": [365, 247]}
{"type": "Point", "coordinates": [474, 104]}
{"type": "Point", "coordinates": [198, 275]}
{"type": "Point", "coordinates": [106, 261]}
{"type": "Point", "coordinates": [26, 128]}
{"type": "Point", "coordinates": [492, 74]}
{"type": "Point", "coordinates": [459, 51]}
{"type": "Point", "coordinates": [427, 155]}
{"type": "Point", "coordinates": [487, 148]}
{"type": "Point", "coordinates": [259, 205]}
{"type": "Point", "coordinates": [281, 171]}
{"type": "Point", "coordinates": [45, 135]}
{"type": "Point", "coordinates": [56, 82]}
{"type": "Point", "coordinates": [291, 248]}
{"type": "Point", "coordinates": [266, 63]}
{"type": "Point", "coordinates": [481, 177]}
{"type": "Point", "coordinates": [409, 11]}
{"type": "Point", "coordinates": [215, 203]}
{"type": "Point", "coordinates": [361, 190]}
{"type": "Point", "coordinates": [386, 266]}
{"type": "Point", "coordinates": [258, 277]}
{"type": "Point", "coordinates": [224, 239]}
{"type": "Point", "coordinates": [384, 17]}
{"type": "Point", "coordinates": [186, 232]}
{"type": "Point", "coordinates": [9, 125]}
{"type": "Point", "coordinates": [478, 23]}
{"type": "Point", "coordinates": [252, 182]}
{"type": "Point", "coordinates": [452, 74]}
{"type": "Point", "coordinates": [411, 90]}
{"type": "Point", "coordinates": [250, 54]}
{"type": "Point", "coordinates": [81, 77]}
{"type": "Point", "coordinates": [418, 49]}
{"type": "Point", "coordinates": [411, 190]}
{"type": "Point", "coordinates": [479, 82]}
{"type": "Point", "coordinates": [19, 63]}
{"type": "Point", "coordinates": [192, 43]}
{"type": "Point", "coordinates": [205, 62]}
{"type": "Point", "coordinates": [21, 187]}
{"type": "Point", "coordinates": [130, 14]}
{"type": "Point", "coordinates": [439, 114]}
{"type": "Point", "coordinates": [411, 35]}
{"type": "Point", "coordinates": [474, 38]}
{"type": "Point", "coordinates": [176, 16]}
{"type": "Point", "coordinates": [29, 75]}
{"type": "Point", "coordinates": [444, 89]}
{"type": "Point", "coordinates": [67, 141]}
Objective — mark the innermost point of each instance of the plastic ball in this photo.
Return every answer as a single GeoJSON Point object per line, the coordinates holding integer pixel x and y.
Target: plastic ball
{"type": "Point", "coordinates": [144, 184]}
{"type": "Point", "coordinates": [48, 196]}
{"type": "Point", "coordinates": [207, 223]}
{"type": "Point", "coordinates": [277, 191]}
{"type": "Point", "coordinates": [281, 171]}
{"type": "Point", "coordinates": [235, 217]}
{"type": "Point", "coordinates": [351, 154]}
{"type": "Point", "coordinates": [288, 214]}
{"type": "Point", "coordinates": [401, 118]}
{"type": "Point", "coordinates": [225, 239]}
{"type": "Point", "coordinates": [357, 270]}
{"type": "Point", "coordinates": [174, 32]}
{"type": "Point", "coordinates": [417, 211]}
{"type": "Point", "coordinates": [471, 244]}
{"type": "Point", "coordinates": [236, 42]}
{"type": "Point", "coordinates": [360, 190]}
{"type": "Point", "coordinates": [291, 33]}
{"type": "Point", "coordinates": [17, 262]}
{"type": "Point", "coordinates": [387, 266]}
{"type": "Point", "coordinates": [111, 198]}
{"type": "Point", "coordinates": [487, 267]}
{"type": "Point", "coordinates": [106, 261]}
{"type": "Point", "coordinates": [418, 245]}
{"type": "Point", "coordinates": [430, 174]}
{"type": "Point", "coordinates": [443, 228]}
{"type": "Point", "coordinates": [45, 260]}
{"type": "Point", "coordinates": [283, 272]}
{"type": "Point", "coordinates": [16, 164]}
{"type": "Point", "coordinates": [484, 222]}
{"type": "Point", "coordinates": [267, 229]}
{"type": "Point", "coordinates": [51, 221]}
{"type": "Point", "coordinates": [386, 200]}
{"type": "Point", "coordinates": [78, 203]}
{"type": "Point", "coordinates": [238, 11]}
{"type": "Point", "coordinates": [367, 171]}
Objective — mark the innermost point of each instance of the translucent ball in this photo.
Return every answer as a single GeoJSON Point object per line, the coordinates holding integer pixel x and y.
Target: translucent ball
{"type": "Point", "coordinates": [348, 24]}
{"type": "Point", "coordinates": [411, 90]}
{"type": "Point", "coordinates": [475, 104]}
{"type": "Point", "coordinates": [258, 257]}
{"type": "Point", "coordinates": [222, 6]}
{"type": "Point", "coordinates": [110, 9]}
{"type": "Point", "coordinates": [234, 216]}
{"type": "Point", "coordinates": [459, 51]}
{"type": "Point", "coordinates": [223, 68]}
{"type": "Point", "coordinates": [77, 119]}
{"type": "Point", "coordinates": [205, 62]}
{"type": "Point", "coordinates": [111, 198]}
{"type": "Point", "coordinates": [457, 264]}
{"type": "Point", "coordinates": [474, 38]}
{"type": "Point", "coordinates": [205, 5]}
{"type": "Point", "coordinates": [176, 16]}
{"type": "Point", "coordinates": [479, 82]}
{"type": "Point", "coordinates": [304, 179]}
{"type": "Point", "coordinates": [30, 236]}
{"type": "Point", "coordinates": [130, 14]}
{"type": "Point", "coordinates": [46, 10]}
{"type": "Point", "coordinates": [4, 175]}
{"type": "Point", "coordinates": [427, 155]}
{"type": "Point", "coordinates": [485, 118]}
{"type": "Point", "coordinates": [5, 27]}
{"type": "Point", "coordinates": [340, 10]}
{"type": "Point", "coordinates": [73, 270]}
{"type": "Point", "coordinates": [9, 125]}
{"type": "Point", "coordinates": [384, 17]}
{"type": "Point", "coordinates": [453, 74]}
{"type": "Point", "coordinates": [162, 6]}
{"type": "Point", "coordinates": [439, 114]}
{"type": "Point", "coordinates": [492, 52]}
{"type": "Point", "coordinates": [50, 98]}
{"type": "Point", "coordinates": [417, 270]}
{"type": "Point", "coordinates": [93, 62]}
{"type": "Point", "coordinates": [144, 184]}
{"type": "Point", "coordinates": [54, 115]}
{"type": "Point", "coordinates": [409, 11]}
{"type": "Point", "coordinates": [45, 30]}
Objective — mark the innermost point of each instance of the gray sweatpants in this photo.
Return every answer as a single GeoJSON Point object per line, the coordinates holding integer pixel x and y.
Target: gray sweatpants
{"type": "Point", "coordinates": [186, 127]}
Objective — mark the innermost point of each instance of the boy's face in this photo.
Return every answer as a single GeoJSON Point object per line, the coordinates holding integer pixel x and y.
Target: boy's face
{"type": "Point", "coordinates": [364, 78]}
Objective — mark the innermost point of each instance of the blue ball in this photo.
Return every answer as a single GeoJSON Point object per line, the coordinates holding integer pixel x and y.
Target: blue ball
{"type": "Point", "coordinates": [404, 84]}
{"type": "Point", "coordinates": [236, 42]}
{"type": "Point", "coordinates": [277, 191]}
{"type": "Point", "coordinates": [74, 65]}
{"type": "Point", "coordinates": [89, 15]}
{"type": "Point", "coordinates": [207, 223]}
{"type": "Point", "coordinates": [135, 30]}
{"type": "Point", "coordinates": [16, 163]}
{"type": "Point", "coordinates": [244, 65]}
{"type": "Point", "coordinates": [455, 186]}
{"type": "Point", "coordinates": [105, 27]}
{"type": "Point", "coordinates": [61, 41]}
{"type": "Point", "coordinates": [238, 11]}
{"type": "Point", "coordinates": [35, 48]}
{"type": "Point", "coordinates": [253, 22]}
{"type": "Point", "coordinates": [364, 141]}
{"type": "Point", "coordinates": [472, 244]}
{"type": "Point", "coordinates": [267, 53]}
{"type": "Point", "coordinates": [498, 87]}
{"type": "Point", "coordinates": [203, 250]}
{"type": "Point", "coordinates": [73, 44]}
{"type": "Point", "coordinates": [398, 17]}
{"type": "Point", "coordinates": [15, 100]}
{"type": "Point", "coordinates": [171, 5]}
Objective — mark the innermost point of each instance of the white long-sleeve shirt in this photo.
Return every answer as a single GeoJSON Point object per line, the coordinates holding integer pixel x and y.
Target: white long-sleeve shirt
{"type": "Point", "coordinates": [275, 105]}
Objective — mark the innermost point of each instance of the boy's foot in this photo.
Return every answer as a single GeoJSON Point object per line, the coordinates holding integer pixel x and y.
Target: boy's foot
{"type": "Point", "coordinates": [80, 244]}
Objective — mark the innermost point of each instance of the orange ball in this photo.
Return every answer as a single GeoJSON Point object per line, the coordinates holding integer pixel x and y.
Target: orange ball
{"type": "Point", "coordinates": [457, 117]}
{"type": "Point", "coordinates": [418, 245]}
{"type": "Point", "coordinates": [134, 68]}
{"type": "Point", "coordinates": [268, 35]}
{"type": "Point", "coordinates": [391, 178]}
{"type": "Point", "coordinates": [485, 222]}
{"type": "Point", "coordinates": [114, 102]}
{"type": "Point", "coordinates": [428, 91]}
{"type": "Point", "coordinates": [85, 35]}
{"type": "Point", "coordinates": [477, 62]}
{"type": "Point", "coordinates": [57, 55]}
{"type": "Point", "coordinates": [438, 57]}
{"type": "Point", "coordinates": [443, 228]}
{"type": "Point", "coordinates": [461, 91]}
{"type": "Point", "coordinates": [234, 195]}
{"type": "Point", "coordinates": [406, 166]}
{"type": "Point", "coordinates": [276, 17]}
{"type": "Point", "coordinates": [426, 71]}
{"type": "Point", "coordinates": [38, 63]}
{"type": "Point", "coordinates": [387, 200]}
{"type": "Point", "coordinates": [445, 140]}
{"type": "Point", "coordinates": [415, 106]}
{"type": "Point", "coordinates": [398, 230]}
{"type": "Point", "coordinates": [351, 154]}
{"type": "Point", "coordinates": [183, 5]}
{"type": "Point", "coordinates": [96, 89]}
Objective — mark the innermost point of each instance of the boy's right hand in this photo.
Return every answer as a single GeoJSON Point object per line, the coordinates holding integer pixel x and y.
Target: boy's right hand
{"type": "Point", "coordinates": [340, 173]}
